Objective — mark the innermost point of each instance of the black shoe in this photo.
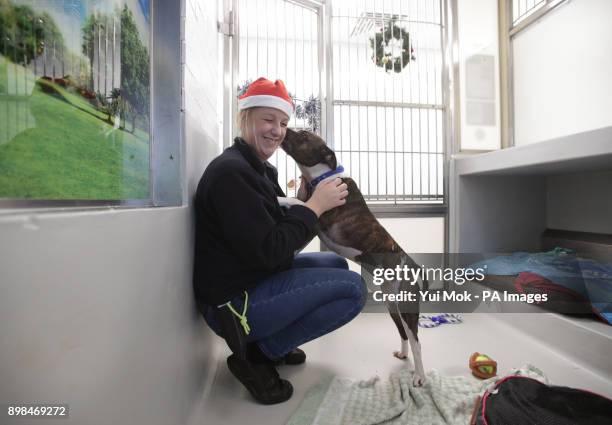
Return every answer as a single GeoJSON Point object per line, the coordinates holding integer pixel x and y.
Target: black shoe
{"type": "Point", "coordinates": [261, 380]}
{"type": "Point", "coordinates": [294, 357]}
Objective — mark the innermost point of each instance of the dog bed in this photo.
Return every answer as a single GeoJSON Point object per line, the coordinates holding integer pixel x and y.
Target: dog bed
{"type": "Point", "coordinates": [586, 278]}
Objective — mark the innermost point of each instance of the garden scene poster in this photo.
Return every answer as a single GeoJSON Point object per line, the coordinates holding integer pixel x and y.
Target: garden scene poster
{"type": "Point", "coordinates": [75, 99]}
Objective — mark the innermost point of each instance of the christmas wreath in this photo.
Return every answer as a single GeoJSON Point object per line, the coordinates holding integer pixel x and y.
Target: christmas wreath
{"type": "Point", "coordinates": [392, 49]}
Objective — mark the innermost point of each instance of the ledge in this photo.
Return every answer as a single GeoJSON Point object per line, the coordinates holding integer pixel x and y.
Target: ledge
{"type": "Point", "coordinates": [588, 151]}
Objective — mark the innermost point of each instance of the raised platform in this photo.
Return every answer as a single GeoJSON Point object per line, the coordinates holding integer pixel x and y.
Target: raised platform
{"type": "Point", "coordinates": [501, 202]}
{"type": "Point", "coordinates": [581, 340]}
{"type": "Point", "coordinates": [588, 151]}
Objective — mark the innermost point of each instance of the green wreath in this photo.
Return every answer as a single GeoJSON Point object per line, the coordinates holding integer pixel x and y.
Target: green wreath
{"type": "Point", "coordinates": [392, 49]}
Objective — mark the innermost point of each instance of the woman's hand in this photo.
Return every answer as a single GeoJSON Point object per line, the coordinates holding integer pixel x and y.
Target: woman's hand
{"type": "Point", "coordinates": [327, 195]}
{"type": "Point", "coordinates": [302, 193]}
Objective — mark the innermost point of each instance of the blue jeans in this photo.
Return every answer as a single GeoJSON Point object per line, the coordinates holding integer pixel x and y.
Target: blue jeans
{"type": "Point", "coordinates": [316, 296]}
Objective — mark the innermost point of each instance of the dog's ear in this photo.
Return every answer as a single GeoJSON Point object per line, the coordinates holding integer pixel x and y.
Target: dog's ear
{"type": "Point", "coordinates": [329, 157]}
{"type": "Point", "coordinates": [290, 134]}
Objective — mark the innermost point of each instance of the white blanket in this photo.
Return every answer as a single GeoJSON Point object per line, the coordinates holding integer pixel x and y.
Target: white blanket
{"type": "Point", "coordinates": [442, 400]}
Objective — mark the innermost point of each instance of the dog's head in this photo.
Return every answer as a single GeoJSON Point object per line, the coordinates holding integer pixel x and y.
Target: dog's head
{"type": "Point", "coordinates": [308, 150]}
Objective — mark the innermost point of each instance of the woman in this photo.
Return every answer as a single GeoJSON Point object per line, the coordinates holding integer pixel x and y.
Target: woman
{"type": "Point", "coordinates": [245, 250]}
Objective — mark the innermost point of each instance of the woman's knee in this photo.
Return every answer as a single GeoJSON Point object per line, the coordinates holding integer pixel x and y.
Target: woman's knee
{"type": "Point", "coordinates": [320, 259]}
{"type": "Point", "coordinates": [337, 261]}
{"type": "Point", "coordinates": [358, 289]}
{"type": "Point", "coordinates": [363, 288]}
{"type": "Point", "coordinates": [355, 296]}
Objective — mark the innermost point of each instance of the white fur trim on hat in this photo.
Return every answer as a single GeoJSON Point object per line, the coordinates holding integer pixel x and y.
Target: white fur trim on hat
{"type": "Point", "coordinates": [266, 101]}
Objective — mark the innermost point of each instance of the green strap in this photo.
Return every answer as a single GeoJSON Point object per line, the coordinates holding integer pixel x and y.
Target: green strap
{"type": "Point", "coordinates": [242, 317]}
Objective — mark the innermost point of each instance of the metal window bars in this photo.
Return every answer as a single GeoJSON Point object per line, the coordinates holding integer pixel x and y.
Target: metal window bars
{"type": "Point", "coordinates": [278, 39]}
{"type": "Point", "coordinates": [387, 128]}
{"type": "Point", "coordinates": [521, 9]}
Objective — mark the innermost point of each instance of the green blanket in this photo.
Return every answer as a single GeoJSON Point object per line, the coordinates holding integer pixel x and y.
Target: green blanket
{"type": "Point", "coordinates": [442, 400]}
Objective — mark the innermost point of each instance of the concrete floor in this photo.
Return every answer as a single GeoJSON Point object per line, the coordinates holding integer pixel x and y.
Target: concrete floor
{"type": "Point", "coordinates": [362, 349]}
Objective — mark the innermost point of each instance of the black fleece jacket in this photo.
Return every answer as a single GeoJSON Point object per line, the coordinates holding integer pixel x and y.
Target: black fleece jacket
{"type": "Point", "coordinates": [242, 234]}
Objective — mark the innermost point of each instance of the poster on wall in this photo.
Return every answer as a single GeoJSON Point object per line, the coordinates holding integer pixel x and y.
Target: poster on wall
{"type": "Point", "coordinates": [74, 99]}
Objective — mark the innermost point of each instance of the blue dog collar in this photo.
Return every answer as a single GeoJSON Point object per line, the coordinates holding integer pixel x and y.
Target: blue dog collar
{"type": "Point", "coordinates": [315, 182]}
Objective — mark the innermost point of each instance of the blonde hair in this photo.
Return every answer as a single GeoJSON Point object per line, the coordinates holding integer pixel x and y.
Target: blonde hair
{"type": "Point", "coordinates": [242, 120]}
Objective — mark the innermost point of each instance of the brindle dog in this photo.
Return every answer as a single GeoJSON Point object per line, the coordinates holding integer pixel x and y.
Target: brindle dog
{"type": "Point", "coordinates": [351, 230]}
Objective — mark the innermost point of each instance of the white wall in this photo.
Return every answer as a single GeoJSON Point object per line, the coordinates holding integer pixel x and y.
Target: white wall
{"type": "Point", "coordinates": [494, 214]}
{"type": "Point", "coordinates": [417, 235]}
{"type": "Point", "coordinates": [96, 311]}
{"type": "Point", "coordinates": [414, 235]}
{"type": "Point", "coordinates": [479, 69]}
{"type": "Point", "coordinates": [580, 202]}
{"type": "Point", "coordinates": [562, 68]}
{"type": "Point", "coordinates": [96, 307]}
{"type": "Point", "coordinates": [203, 76]}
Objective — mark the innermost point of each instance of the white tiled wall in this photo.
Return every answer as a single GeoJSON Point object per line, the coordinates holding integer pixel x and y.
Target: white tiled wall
{"type": "Point", "coordinates": [202, 81]}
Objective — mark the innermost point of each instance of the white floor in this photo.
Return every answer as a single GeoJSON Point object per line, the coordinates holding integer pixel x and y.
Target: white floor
{"type": "Point", "coordinates": [362, 349]}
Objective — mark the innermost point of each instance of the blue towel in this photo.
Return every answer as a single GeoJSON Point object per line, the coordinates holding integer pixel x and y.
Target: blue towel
{"type": "Point", "coordinates": [562, 266]}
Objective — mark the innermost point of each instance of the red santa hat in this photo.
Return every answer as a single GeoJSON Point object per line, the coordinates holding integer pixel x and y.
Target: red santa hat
{"type": "Point", "coordinates": [263, 92]}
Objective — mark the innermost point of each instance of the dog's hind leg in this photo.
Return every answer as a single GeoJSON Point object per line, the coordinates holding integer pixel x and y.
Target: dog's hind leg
{"type": "Point", "coordinates": [411, 321]}
{"type": "Point", "coordinates": [403, 353]}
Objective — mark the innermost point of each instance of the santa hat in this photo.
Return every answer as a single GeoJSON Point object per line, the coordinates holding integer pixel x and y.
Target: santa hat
{"type": "Point", "coordinates": [263, 92]}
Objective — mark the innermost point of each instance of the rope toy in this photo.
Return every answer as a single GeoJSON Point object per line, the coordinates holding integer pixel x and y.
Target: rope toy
{"type": "Point", "coordinates": [482, 366]}
{"type": "Point", "coordinates": [431, 321]}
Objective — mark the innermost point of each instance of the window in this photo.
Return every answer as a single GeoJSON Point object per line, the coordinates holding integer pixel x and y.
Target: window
{"type": "Point", "coordinates": [388, 105]}
{"type": "Point", "coordinates": [386, 123]}
{"type": "Point", "coordinates": [75, 99]}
